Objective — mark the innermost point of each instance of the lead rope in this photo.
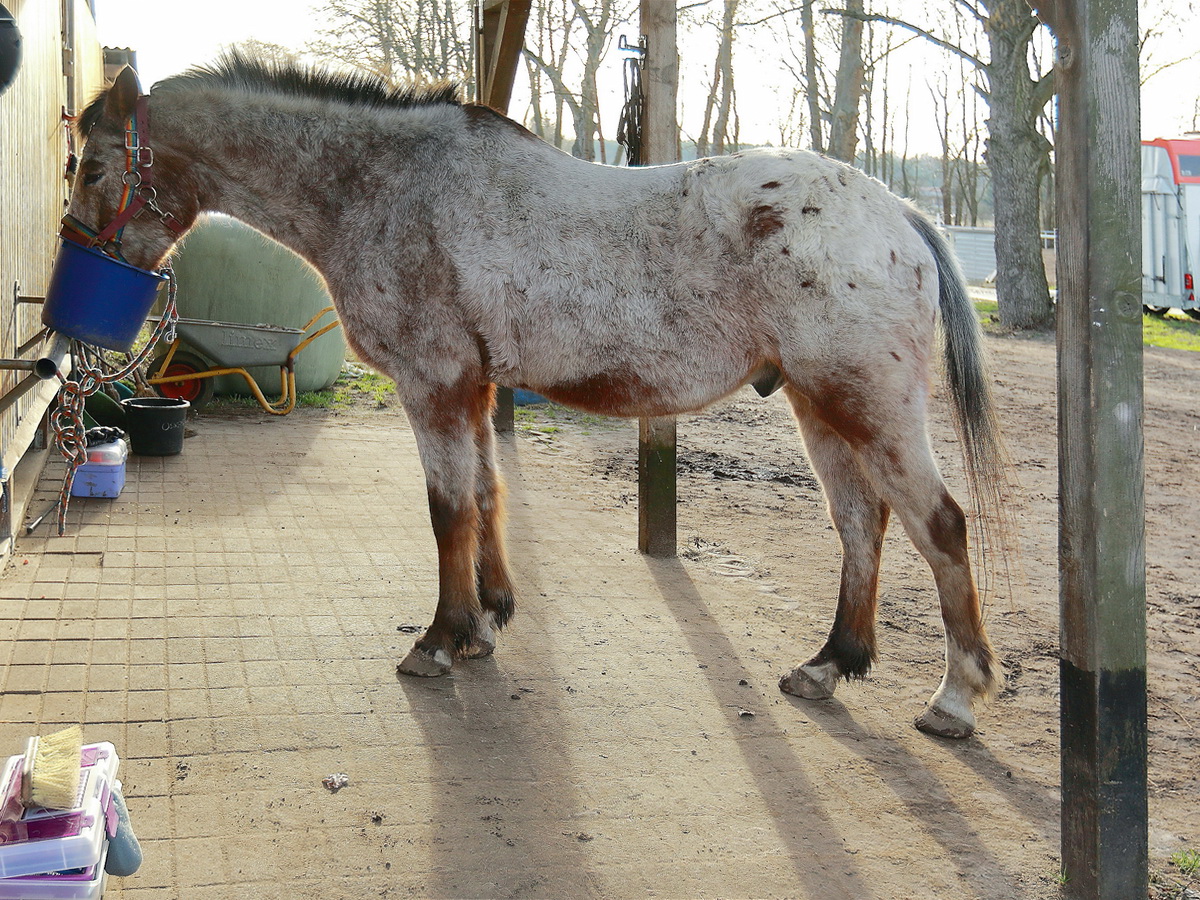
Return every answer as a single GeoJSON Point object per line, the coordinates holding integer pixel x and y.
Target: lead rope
{"type": "Point", "coordinates": [67, 419]}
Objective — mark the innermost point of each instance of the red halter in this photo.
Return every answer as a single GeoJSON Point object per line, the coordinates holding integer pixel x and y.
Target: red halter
{"type": "Point", "coordinates": [138, 194]}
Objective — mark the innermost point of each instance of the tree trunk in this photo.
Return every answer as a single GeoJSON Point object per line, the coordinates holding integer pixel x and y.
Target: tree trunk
{"type": "Point", "coordinates": [812, 88]}
{"type": "Point", "coordinates": [1015, 152]}
{"type": "Point", "coordinates": [725, 62]}
{"type": "Point", "coordinates": [843, 126]}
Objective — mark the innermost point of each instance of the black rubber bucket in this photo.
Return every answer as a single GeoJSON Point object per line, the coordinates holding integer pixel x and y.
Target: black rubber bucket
{"type": "Point", "coordinates": [155, 425]}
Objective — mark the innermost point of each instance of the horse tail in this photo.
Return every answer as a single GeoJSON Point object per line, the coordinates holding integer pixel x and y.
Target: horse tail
{"type": "Point", "coordinates": [966, 376]}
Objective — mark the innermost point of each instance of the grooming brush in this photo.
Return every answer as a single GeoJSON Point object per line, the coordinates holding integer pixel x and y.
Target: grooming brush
{"type": "Point", "coordinates": [50, 775]}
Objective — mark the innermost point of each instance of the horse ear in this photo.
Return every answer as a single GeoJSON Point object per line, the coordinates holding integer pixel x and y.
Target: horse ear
{"type": "Point", "coordinates": [122, 96]}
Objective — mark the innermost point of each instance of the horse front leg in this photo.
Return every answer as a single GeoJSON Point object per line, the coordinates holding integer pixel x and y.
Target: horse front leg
{"type": "Point", "coordinates": [445, 426]}
{"type": "Point", "coordinates": [494, 583]}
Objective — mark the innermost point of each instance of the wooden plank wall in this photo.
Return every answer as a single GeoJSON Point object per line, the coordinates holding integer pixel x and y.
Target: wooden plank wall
{"type": "Point", "coordinates": [33, 189]}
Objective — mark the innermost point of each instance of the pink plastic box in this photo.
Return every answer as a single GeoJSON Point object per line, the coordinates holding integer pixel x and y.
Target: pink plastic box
{"type": "Point", "coordinates": [56, 853]}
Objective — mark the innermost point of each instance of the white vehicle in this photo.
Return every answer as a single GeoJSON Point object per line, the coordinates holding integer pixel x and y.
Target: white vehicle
{"type": "Point", "coordinates": [1171, 224]}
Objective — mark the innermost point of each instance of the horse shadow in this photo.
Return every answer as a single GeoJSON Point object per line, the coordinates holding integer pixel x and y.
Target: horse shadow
{"type": "Point", "coordinates": [786, 788]}
{"type": "Point", "coordinates": [930, 804]}
{"type": "Point", "coordinates": [501, 787]}
{"type": "Point", "coordinates": [502, 780]}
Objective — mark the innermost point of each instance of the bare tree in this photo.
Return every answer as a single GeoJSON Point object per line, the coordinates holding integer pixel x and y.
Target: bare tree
{"type": "Point", "coordinates": [547, 46]}
{"type": "Point", "coordinates": [265, 51]}
{"type": "Point", "coordinates": [719, 101]}
{"type": "Point", "coordinates": [1016, 152]}
{"type": "Point", "coordinates": [843, 116]}
{"type": "Point", "coordinates": [1158, 18]}
{"type": "Point", "coordinates": [595, 21]}
{"type": "Point", "coordinates": [398, 39]}
{"type": "Point", "coordinates": [818, 38]}
{"type": "Point", "coordinates": [811, 85]}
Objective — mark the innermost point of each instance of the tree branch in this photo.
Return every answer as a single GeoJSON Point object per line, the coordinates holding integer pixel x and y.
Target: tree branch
{"type": "Point", "coordinates": [561, 91]}
{"type": "Point", "coordinates": [900, 23]}
{"type": "Point", "coordinates": [1163, 67]}
{"type": "Point", "coordinates": [764, 19]}
{"type": "Point", "coordinates": [974, 11]}
{"type": "Point", "coordinates": [1043, 90]}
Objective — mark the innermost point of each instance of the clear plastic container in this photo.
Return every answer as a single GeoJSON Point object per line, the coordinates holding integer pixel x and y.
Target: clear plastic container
{"type": "Point", "coordinates": [76, 884]}
{"type": "Point", "coordinates": [114, 453]}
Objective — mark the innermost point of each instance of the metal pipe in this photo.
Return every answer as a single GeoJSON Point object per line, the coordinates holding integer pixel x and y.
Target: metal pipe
{"type": "Point", "coordinates": [42, 369]}
{"type": "Point", "coordinates": [22, 388]}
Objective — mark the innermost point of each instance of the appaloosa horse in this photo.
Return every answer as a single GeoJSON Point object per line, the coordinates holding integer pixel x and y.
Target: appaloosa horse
{"type": "Point", "coordinates": [463, 252]}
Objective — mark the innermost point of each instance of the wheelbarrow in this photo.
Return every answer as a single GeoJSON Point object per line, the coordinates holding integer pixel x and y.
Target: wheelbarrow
{"type": "Point", "coordinates": [186, 375]}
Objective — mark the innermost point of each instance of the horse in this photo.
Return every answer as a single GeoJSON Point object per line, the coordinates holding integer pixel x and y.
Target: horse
{"type": "Point", "coordinates": [462, 252]}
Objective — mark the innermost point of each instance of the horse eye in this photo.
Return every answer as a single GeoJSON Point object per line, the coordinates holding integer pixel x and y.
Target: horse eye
{"type": "Point", "coordinates": [93, 177]}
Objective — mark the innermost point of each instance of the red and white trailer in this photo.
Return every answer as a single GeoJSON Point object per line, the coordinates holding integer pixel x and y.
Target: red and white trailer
{"type": "Point", "coordinates": [1171, 224]}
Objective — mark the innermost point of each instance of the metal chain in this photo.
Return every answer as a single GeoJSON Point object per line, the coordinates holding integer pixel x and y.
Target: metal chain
{"type": "Point", "coordinates": [67, 418]}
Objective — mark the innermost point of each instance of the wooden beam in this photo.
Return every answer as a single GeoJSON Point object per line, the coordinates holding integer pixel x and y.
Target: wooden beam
{"type": "Point", "coordinates": [499, 39]}
{"type": "Point", "coordinates": [1101, 504]}
{"type": "Point", "coordinates": [660, 141]}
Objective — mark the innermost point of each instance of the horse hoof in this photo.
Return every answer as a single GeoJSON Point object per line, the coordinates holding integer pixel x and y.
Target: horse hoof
{"type": "Point", "coordinates": [483, 645]}
{"type": "Point", "coordinates": [945, 724]}
{"type": "Point", "coordinates": [425, 664]}
{"type": "Point", "coordinates": [808, 683]}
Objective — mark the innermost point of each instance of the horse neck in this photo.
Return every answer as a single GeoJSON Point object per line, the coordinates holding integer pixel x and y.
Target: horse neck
{"type": "Point", "coordinates": [265, 162]}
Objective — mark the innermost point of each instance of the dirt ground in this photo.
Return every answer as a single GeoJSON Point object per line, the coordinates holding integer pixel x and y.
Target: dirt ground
{"type": "Point", "coordinates": [750, 509]}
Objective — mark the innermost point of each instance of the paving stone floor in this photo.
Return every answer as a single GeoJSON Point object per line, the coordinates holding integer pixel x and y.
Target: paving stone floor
{"type": "Point", "coordinates": [232, 623]}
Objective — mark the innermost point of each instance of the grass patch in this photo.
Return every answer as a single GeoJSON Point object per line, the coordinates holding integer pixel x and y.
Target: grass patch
{"type": "Point", "coordinates": [1168, 886]}
{"type": "Point", "coordinates": [1187, 862]}
{"type": "Point", "coordinates": [355, 386]}
{"type": "Point", "coordinates": [550, 419]}
{"type": "Point", "coordinates": [1174, 331]}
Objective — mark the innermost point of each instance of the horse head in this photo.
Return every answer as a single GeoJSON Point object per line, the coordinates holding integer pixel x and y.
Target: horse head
{"type": "Point", "coordinates": [117, 204]}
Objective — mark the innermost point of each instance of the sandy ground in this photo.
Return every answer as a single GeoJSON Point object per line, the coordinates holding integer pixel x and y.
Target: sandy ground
{"type": "Point", "coordinates": [749, 509]}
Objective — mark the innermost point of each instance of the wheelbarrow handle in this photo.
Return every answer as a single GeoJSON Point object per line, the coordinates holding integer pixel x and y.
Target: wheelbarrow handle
{"type": "Point", "coordinates": [316, 334]}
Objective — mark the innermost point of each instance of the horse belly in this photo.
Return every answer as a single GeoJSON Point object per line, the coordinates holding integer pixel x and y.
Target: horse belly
{"type": "Point", "coordinates": [628, 393]}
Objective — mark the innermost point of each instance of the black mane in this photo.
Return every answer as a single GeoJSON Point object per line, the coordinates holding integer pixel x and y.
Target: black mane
{"type": "Point", "coordinates": [234, 69]}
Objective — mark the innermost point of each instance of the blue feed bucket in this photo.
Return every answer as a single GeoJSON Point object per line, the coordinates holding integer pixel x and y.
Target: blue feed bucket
{"type": "Point", "coordinates": [97, 299]}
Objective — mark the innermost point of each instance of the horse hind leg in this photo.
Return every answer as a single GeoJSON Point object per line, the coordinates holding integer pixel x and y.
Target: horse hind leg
{"type": "Point", "coordinates": [882, 422]}
{"type": "Point", "coordinates": [860, 517]}
{"type": "Point", "coordinates": [972, 671]}
{"type": "Point", "coordinates": [494, 583]}
{"type": "Point", "coordinates": [900, 461]}
{"type": "Point", "coordinates": [445, 424]}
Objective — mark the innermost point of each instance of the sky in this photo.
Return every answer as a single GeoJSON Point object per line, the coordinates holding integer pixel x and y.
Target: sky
{"type": "Point", "coordinates": [176, 36]}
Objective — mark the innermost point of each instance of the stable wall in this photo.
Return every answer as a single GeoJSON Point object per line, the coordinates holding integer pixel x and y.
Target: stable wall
{"type": "Point", "coordinates": [61, 70]}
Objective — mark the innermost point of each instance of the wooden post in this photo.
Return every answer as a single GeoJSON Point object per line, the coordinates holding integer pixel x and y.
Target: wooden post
{"type": "Point", "coordinates": [660, 142]}
{"type": "Point", "coordinates": [1102, 653]}
{"type": "Point", "coordinates": [499, 36]}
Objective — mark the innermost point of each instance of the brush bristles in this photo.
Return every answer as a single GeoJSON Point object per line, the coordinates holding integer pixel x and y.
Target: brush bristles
{"type": "Point", "coordinates": [54, 773]}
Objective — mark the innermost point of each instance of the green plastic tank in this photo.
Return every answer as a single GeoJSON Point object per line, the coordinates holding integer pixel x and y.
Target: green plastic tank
{"type": "Point", "coordinates": [228, 272]}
